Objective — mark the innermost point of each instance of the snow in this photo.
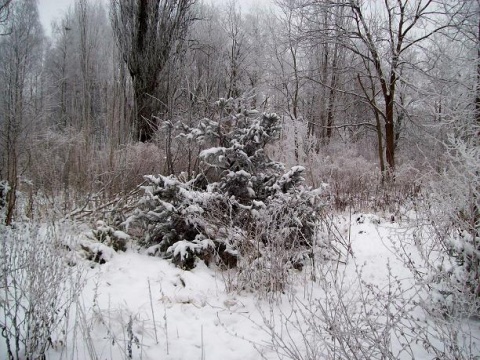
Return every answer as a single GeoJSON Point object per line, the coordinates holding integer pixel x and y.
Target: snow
{"type": "Point", "coordinates": [106, 253]}
{"type": "Point", "coordinates": [258, 204]}
{"type": "Point", "coordinates": [297, 168]}
{"type": "Point", "coordinates": [193, 209]}
{"type": "Point", "coordinates": [169, 207]}
{"type": "Point", "coordinates": [240, 173]}
{"type": "Point", "coordinates": [177, 314]}
{"type": "Point", "coordinates": [214, 151]}
{"type": "Point", "coordinates": [120, 235]}
{"type": "Point", "coordinates": [186, 305]}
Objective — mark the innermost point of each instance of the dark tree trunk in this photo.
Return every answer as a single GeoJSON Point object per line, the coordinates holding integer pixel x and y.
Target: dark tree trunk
{"type": "Point", "coordinates": [144, 84]}
{"type": "Point", "coordinates": [331, 103]}
{"type": "Point", "coordinates": [148, 32]}
{"type": "Point", "coordinates": [390, 132]}
{"type": "Point", "coordinates": [477, 95]}
{"type": "Point", "coordinates": [146, 107]}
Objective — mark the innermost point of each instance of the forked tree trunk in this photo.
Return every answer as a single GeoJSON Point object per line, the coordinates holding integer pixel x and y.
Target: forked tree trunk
{"type": "Point", "coordinates": [147, 32]}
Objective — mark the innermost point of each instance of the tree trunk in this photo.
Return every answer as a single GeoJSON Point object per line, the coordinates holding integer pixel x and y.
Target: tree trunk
{"type": "Point", "coordinates": [148, 31]}
{"type": "Point", "coordinates": [380, 144]}
{"type": "Point", "coordinates": [331, 97]}
{"type": "Point", "coordinates": [477, 97]}
{"type": "Point", "coordinates": [389, 132]}
{"type": "Point", "coordinates": [145, 109]}
{"type": "Point", "coordinates": [331, 103]}
{"type": "Point", "coordinates": [12, 179]}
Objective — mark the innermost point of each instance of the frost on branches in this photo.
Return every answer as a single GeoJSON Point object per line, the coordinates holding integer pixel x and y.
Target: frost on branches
{"type": "Point", "coordinates": [240, 204]}
{"type": "Point", "coordinates": [456, 223]}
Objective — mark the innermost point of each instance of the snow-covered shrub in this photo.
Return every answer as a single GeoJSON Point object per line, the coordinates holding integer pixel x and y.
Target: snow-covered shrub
{"type": "Point", "coordinates": [109, 236]}
{"type": "Point", "coordinates": [354, 318]}
{"type": "Point", "coordinates": [100, 244]}
{"type": "Point", "coordinates": [4, 188]}
{"type": "Point", "coordinates": [171, 214]}
{"type": "Point", "coordinates": [221, 213]}
{"type": "Point", "coordinates": [349, 320]}
{"type": "Point", "coordinates": [454, 210]}
{"type": "Point", "coordinates": [38, 288]}
{"type": "Point", "coordinates": [282, 237]}
{"type": "Point", "coordinates": [95, 252]}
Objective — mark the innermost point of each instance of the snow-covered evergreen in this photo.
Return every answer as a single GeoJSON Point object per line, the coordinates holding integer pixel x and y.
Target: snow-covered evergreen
{"type": "Point", "coordinates": [217, 215]}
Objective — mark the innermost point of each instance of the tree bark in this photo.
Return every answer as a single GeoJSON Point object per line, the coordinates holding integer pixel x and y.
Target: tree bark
{"type": "Point", "coordinates": [390, 131]}
{"type": "Point", "coordinates": [147, 32]}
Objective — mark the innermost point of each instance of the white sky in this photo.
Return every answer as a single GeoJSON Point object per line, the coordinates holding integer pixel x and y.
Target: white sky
{"type": "Point", "coordinates": [54, 9]}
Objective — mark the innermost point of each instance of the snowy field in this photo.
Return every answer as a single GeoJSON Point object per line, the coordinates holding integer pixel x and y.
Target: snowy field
{"type": "Point", "coordinates": [142, 307]}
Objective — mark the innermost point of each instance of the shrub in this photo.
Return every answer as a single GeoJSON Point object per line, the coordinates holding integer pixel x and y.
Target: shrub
{"type": "Point", "coordinates": [453, 209]}
{"type": "Point", "coordinates": [242, 202]}
{"type": "Point", "coordinates": [37, 289]}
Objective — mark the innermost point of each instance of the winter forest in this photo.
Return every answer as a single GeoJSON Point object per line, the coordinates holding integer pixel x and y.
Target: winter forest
{"type": "Point", "coordinates": [293, 179]}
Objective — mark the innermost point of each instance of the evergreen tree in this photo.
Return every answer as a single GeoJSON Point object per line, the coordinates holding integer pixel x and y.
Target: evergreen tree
{"type": "Point", "coordinates": [215, 215]}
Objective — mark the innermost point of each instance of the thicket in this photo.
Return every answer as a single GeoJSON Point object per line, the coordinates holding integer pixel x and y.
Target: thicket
{"type": "Point", "coordinates": [240, 203]}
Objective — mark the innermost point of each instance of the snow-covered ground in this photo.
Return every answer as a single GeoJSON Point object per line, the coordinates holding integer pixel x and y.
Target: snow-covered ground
{"type": "Point", "coordinates": [142, 307]}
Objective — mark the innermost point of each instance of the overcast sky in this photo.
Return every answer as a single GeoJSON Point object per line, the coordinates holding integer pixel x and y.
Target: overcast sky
{"type": "Point", "coordinates": [53, 9]}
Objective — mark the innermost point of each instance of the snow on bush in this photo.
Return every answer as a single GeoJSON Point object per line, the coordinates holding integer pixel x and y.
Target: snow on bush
{"type": "Point", "coordinates": [4, 188]}
{"type": "Point", "coordinates": [454, 210]}
{"type": "Point", "coordinates": [110, 237]}
{"type": "Point", "coordinates": [38, 288]}
{"type": "Point", "coordinates": [239, 205]}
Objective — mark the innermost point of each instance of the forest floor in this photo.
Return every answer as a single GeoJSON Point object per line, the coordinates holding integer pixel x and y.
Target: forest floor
{"type": "Point", "coordinates": [140, 307]}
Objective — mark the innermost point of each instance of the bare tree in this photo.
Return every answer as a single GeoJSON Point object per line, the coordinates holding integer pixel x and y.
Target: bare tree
{"type": "Point", "coordinates": [206, 80]}
{"type": "Point", "coordinates": [325, 24]}
{"type": "Point", "coordinates": [381, 36]}
{"type": "Point", "coordinates": [382, 40]}
{"type": "Point", "coordinates": [236, 52]}
{"type": "Point", "coordinates": [147, 32]}
{"type": "Point", "coordinates": [4, 13]}
{"type": "Point", "coordinates": [17, 54]}
{"type": "Point", "coordinates": [287, 64]}
{"type": "Point", "coordinates": [59, 61]}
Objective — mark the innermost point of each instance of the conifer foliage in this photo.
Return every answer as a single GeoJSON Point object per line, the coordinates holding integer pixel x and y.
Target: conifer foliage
{"type": "Point", "coordinates": [239, 202]}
